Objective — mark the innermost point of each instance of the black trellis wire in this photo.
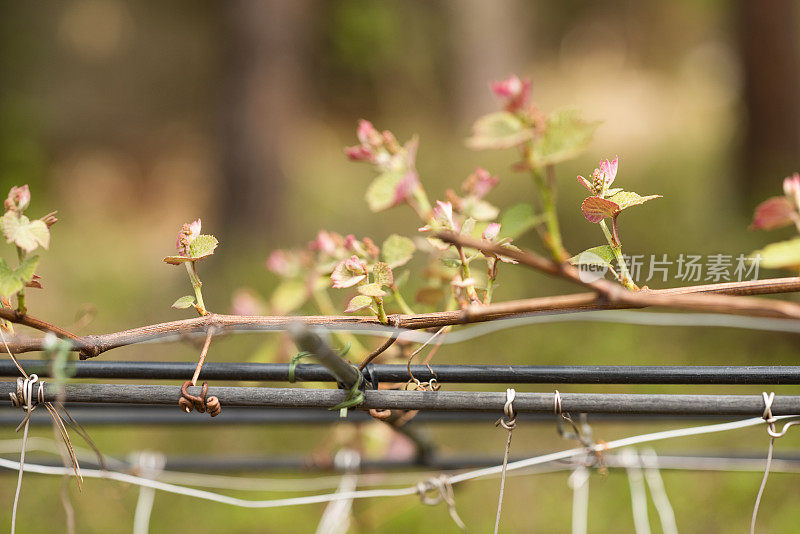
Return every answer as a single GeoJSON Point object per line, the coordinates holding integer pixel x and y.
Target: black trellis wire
{"type": "Point", "coordinates": [473, 401]}
{"type": "Point", "coordinates": [474, 374]}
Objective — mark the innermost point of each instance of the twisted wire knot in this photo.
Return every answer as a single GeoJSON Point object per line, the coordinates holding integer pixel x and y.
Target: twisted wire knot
{"type": "Point", "coordinates": [510, 422]}
{"type": "Point", "coordinates": [23, 397]}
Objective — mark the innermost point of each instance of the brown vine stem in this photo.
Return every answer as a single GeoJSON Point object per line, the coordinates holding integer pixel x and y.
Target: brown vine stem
{"type": "Point", "coordinates": [202, 359]}
{"type": "Point", "coordinates": [704, 298]}
{"type": "Point", "coordinates": [27, 320]}
{"type": "Point", "coordinates": [728, 298]}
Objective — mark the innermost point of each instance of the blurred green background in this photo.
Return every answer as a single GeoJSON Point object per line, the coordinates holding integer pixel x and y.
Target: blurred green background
{"type": "Point", "coordinates": [132, 118]}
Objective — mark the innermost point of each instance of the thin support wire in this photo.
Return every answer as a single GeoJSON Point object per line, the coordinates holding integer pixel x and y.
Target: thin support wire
{"type": "Point", "coordinates": [150, 465]}
{"type": "Point", "coordinates": [657, 491]}
{"type": "Point", "coordinates": [394, 492]}
{"type": "Point", "coordinates": [336, 517]}
{"type": "Point", "coordinates": [578, 481]}
{"type": "Point", "coordinates": [509, 423]}
{"type": "Point", "coordinates": [641, 522]}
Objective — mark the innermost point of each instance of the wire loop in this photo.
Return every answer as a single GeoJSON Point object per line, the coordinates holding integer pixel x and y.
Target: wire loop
{"type": "Point", "coordinates": [770, 419]}
{"type": "Point", "coordinates": [510, 422]}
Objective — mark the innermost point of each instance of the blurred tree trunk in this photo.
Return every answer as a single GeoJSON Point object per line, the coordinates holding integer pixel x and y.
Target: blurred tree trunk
{"type": "Point", "coordinates": [771, 58]}
{"type": "Point", "coordinates": [490, 41]}
{"type": "Point", "coordinates": [265, 86]}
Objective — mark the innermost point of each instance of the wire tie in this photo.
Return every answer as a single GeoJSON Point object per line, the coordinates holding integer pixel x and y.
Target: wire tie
{"type": "Point", "coordinates": [770, 419]}
{"type": "Point", "coordinates": [510, 423]}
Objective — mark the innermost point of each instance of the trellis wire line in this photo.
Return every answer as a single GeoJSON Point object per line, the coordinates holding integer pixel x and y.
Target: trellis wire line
{"type": "Point", "coordinates": [437, 401]}
{"type": "Point", "coordinates": [182, 469]}
{"type": "Point", "coordinates": [624, 442]}
{"type": "Point", "coordinates": [398, 492]}
{"type": "Point", "coordinates": [714, 461]}
{"type": "Point", "coordinates": [467, 374]}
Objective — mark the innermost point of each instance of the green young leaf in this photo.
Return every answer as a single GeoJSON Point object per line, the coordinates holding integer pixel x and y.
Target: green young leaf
{"type": "Point", "coordinates": [517, 220]}
{"type": "Point", "coordinates": [397, 250]}
{"type": "Point", "coordinates": [13, 280]}
{"type": "Point", "coordinates": [626, 199]}
{"type": "Point", "coordinates": [183, 302]}
{"type": "Point", "coordinates": [451, 262]}
{"type": "Point", "coordinates": [380, 194]}
{"type": "Point", "coordinates": [202, 246]}
{"type": "Point", "coordinates": [468, 226]}
{"type": "Point", "coordinates": [358, 302]}
{"type": "Point", "coordinates": [371, 290]}
{"type": "Point", "coordinates": [24, 233]}
{"type": "Point", "coordinates": [27, 269]}
{"type": "Point", "coordinates": [9, 282]}
{"type": "Point", "coordinates": [288, 296]}
{"type": "Point", "coordinates": [566, 135]}
{"type": "Point", "coordinates": [780, 255]}
{"type": "Point", "coordinates": [598, 256]}
{"type": "Point", "coordinates": [498, 130]}
{"type": "Point", "coordinates": [382, 274]}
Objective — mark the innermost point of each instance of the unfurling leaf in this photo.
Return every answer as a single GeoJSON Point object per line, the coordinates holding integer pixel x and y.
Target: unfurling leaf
{"type": "Point", "coordinates": [397, 250]}
{"type": "Point", "coordinates": [595, 209]}
{"type": "Point", "coordinates": [24, 233]}
{"type": "Point", "coordinates": [358, 302]}
{"type": "Point", "coordinates": [566, 135]}
{"type": "Point", "coordinates": [595, 256]}
{"type": "Point", "coordinates": [184, 302]}
{"type": "Point", "coordinates": [774, 213]}
{"type": "Point", "coordinates": [499, 130]}
{"type": "Point", "coordinates": [288, 296]}
{"type": "Point", "coordinates": [518, 219]}
{"type": "Point", "coordinates": [381, 193]}
{"type": "Point", "coordinates": [371, 290]}
{"type": "Point", "coordinates": [783, 254]}
{"type": "Point", "coordinates": [343, 276]}
{"type": "Point", "coordinates": [202, 246]}
{"type": "Point", "coordinates": [382, 274]}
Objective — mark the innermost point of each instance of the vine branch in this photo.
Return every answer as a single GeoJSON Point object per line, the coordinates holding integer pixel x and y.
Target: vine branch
{"type": "Point", "coordinates": [729, 298]}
